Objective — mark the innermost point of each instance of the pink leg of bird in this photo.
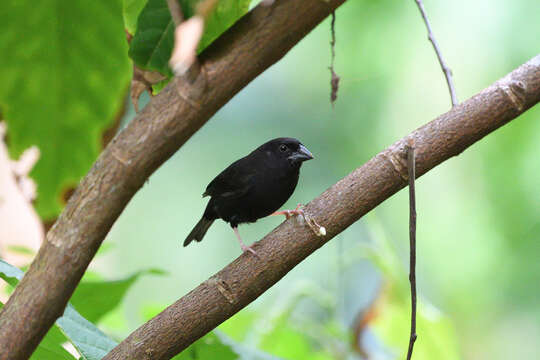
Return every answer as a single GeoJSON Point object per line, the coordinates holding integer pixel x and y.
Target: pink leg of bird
{"type": "Point", "coordinates": [289, 213]}
{"type": "Point", "coordinates": [243, 246]}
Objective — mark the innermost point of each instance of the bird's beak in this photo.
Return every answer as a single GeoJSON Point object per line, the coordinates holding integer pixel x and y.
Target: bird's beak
{"type": "Point", "coordinates": [302, 154]}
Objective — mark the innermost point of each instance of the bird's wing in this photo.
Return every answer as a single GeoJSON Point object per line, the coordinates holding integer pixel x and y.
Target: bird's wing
{"type": "Point", "coordinates": [233, 182]}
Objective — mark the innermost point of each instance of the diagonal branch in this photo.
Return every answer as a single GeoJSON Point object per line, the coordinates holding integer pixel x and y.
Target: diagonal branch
{"type": "Point", "coordinates": [247, 277]}
{"type": "Point", "coordinates": [254, 43]}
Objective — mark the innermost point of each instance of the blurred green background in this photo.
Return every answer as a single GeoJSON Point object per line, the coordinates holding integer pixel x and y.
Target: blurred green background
{"type": "Point", "coordinates": [478, 248]}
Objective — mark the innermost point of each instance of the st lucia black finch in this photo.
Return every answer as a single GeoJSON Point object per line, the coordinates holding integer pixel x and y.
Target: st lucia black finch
{"type": "Point", "coordinates": [253, 187]}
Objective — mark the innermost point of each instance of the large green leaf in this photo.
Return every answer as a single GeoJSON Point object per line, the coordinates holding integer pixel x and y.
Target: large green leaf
{"type": "Point", "coordinates": [131, 11]}
{"type": "Point", "coordinates": [91, 343]}
{"type": "Point", "coordinates": [93, 299]}
{"type": "Point", "coordinates": [64, 72]}
{"type": "Point", "coordinates": [152, 44]}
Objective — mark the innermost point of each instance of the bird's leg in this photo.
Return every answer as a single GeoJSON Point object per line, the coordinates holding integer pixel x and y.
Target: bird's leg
{"type": "Point", "coordinates": [243, 246]}
{"type": "Point", "coordinates": [289, 213]}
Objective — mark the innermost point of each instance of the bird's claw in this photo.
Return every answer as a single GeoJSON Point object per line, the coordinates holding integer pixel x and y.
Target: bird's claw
{"type": "Point", "coordinates": [298, 211]}
{"type": "Point", "coordinates": [249, 249]}
{"type": "Point", "coordinates": [290, 213]}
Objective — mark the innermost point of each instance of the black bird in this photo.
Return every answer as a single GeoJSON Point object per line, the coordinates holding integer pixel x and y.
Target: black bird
{"type": "Point", "coordinates": [253, 187]}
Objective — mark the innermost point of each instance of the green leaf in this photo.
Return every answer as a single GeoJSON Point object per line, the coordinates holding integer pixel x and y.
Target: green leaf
{"type": "Point", "coordinates": [50, 348]}
{"type": "Point", "coordinates": [152, 44]}
{"type": "Point", "coordinates": [11, 274]}
{"type": "Point", "coordinates": [131, 11]}
{"type": "Point", "coordinates": [87, 338]}
{"type": "Point", "coordinates": [64, 75]}
{"type": "Point", "coordinates": [89, 297]}
{"type": "Point", "coordinates": [91, 343]}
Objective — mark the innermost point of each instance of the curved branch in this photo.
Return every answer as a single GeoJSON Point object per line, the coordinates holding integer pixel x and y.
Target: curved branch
{"type": "Point", "coordinates": [247, 277]}
{"type": "Point", "coordinates": [254, 43]}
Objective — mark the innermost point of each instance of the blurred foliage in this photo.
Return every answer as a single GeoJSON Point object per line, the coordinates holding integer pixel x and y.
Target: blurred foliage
{"type": "Point", "coordinates": [89, 341]}
{"type": "Point", "coordinates": [152, 44]}
{"type": "Point", "coordinates": [437, 339]}
{"type": "Point", "coordinates": [63, 83]}
{"type": "Point", "coordinates": [93, 298]}
{"type": "Point", "coordinates": [89, 299]}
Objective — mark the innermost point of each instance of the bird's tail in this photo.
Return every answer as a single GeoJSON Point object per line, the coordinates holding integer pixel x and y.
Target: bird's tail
{"type": "Point", "coordinates": [198, 231]}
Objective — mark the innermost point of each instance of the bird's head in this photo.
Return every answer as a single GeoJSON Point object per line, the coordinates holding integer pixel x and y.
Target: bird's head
{"type": "Point", "coordinates": [288, 149]}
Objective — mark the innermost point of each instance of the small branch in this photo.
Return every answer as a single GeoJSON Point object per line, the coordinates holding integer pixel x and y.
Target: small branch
{"type": "Point", "coordinates": [412, 235]}
{"type": "Point", "coordinates": [176, 11]}
{"type": "Point", "coordinates": [446, 70]}
{"type": "Point", "coordinates": [334, 78]}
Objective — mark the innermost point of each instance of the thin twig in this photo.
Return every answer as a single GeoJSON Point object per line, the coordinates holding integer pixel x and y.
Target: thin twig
{"type": "Point", "coordinates": [176, 11]}
{"type": "Point", "coordinates": [412, 236]}
{"type": "Point", "coordinates": [444, 66]}
{"type": "Point", "coordinates": [334, 78]}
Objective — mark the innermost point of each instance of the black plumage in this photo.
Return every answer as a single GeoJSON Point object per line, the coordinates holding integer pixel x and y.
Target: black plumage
{"type": "Point", "coordinates": [253, 187]}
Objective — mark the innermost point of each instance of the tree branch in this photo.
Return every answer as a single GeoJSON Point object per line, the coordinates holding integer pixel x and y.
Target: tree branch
{"type": "Point", "coordinates": [412, 238]}
{"type": "Point", "coordinates": [254, 43]}
{"type": "Point", "coordinates": [247, 277]}
{"type": "Point", "coordinates": [446, 70]}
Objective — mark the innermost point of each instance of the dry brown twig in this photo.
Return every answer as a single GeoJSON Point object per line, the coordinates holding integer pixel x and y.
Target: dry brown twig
{"type": "Point", "coordinates": [445, 68]}
{"type": "Point", "coordinates": [411, 165]}
{"type": "Point", "coordinates": [334, 78]}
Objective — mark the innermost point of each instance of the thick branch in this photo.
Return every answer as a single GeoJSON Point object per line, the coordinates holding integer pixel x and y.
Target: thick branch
{"type": "Point", "coordinates": [247, 277]}
{"type": "Point", "coordinates": [254, 43]}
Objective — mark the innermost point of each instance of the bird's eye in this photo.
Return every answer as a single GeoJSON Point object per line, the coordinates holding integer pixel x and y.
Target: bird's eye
{"type": "Point", "coordinates": [283, 147]}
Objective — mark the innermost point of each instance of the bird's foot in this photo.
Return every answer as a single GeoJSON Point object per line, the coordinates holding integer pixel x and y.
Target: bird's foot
{"type": "Point", "coordinates": [290, 213]}
{"type": "Point", "coordinates": [317, 229]}
{"type": "Point", "coordinates": [249, 249]}
{"type": "Point", "coordinates": [243, 246]}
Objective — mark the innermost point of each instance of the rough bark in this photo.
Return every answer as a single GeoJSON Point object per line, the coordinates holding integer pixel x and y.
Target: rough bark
{"type": "Point", "coordinates": [247, 277]}
{"type": "Point", "coordinates": [254, 43]}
